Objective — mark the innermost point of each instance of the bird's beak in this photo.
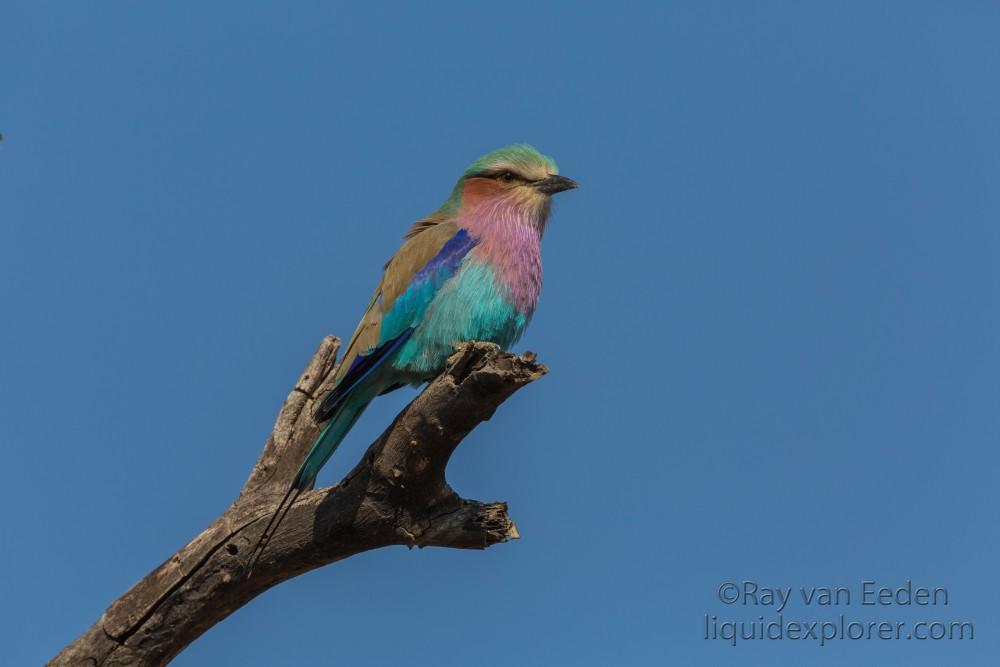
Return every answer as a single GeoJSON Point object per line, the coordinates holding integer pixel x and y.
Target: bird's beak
{"type": "Point", "coordinates": [554, 184]}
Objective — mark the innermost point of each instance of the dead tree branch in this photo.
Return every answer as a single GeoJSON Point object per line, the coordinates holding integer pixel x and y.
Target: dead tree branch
{"type": "Point", "coordinates": [395, 495]}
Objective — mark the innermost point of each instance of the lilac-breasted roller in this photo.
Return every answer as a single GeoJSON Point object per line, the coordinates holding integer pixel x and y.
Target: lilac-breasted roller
{"type": "Point", "coordinates": [472, 270]}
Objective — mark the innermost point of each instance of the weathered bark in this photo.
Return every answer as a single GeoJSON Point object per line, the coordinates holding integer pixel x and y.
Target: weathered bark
{"type": "Point", "coordinates": [397, 494]}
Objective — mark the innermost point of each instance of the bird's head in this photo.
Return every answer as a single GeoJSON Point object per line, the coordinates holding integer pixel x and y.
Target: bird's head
{"type": "Point", "coordinates": [516, 179]}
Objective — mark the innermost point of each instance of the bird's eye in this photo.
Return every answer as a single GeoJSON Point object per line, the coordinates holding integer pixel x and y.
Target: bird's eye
{"type": "Point", "coordinates": [507, 177]}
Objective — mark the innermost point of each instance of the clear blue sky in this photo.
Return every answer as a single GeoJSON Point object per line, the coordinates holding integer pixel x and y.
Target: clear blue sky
{"type": "Point", "coordinates": [770, 312]}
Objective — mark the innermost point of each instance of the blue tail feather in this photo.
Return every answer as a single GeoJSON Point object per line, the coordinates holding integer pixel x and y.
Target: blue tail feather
{"type": "Point", "coordinates": [330, 438]}
{"type": "Point", "coordinates": [324, 447]}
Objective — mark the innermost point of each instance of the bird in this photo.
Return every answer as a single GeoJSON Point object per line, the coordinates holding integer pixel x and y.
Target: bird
{"type": "Point", "coordinates": [470, 271]}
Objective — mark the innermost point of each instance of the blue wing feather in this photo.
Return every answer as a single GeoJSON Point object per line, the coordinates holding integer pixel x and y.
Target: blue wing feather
{"type": "Point", "coordinates": [360, 369]}
{"type": "Point", "coordinates": [410, 306]}
{"type": "Point", "coordinates": [398, 324]}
